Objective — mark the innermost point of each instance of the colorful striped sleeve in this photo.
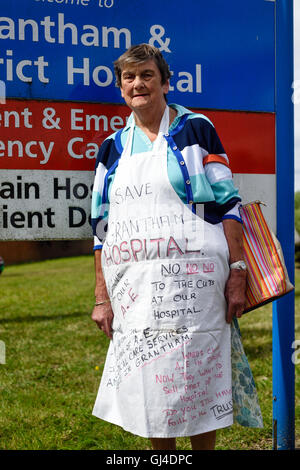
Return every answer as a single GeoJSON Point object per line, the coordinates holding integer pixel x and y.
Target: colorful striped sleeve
{"type": "Point", "coordinates": [218, 173]}
{"type": "Point", "coordinates": [107, 156]}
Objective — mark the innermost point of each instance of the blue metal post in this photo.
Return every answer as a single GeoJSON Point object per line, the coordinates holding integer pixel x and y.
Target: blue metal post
{"type": "Point", "coordinates": [284, 309]}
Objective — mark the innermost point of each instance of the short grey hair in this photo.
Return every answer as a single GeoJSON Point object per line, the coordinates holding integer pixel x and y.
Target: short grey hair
{"type": "Point", "coordinates": [139, 54]}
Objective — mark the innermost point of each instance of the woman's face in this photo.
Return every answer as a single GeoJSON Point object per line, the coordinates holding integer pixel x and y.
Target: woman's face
{"type": "Point", "coordinates": [141, 86]}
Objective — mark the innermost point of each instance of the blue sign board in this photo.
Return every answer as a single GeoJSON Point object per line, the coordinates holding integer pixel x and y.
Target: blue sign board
{"type": "Point", "coordinates": [221, 53]}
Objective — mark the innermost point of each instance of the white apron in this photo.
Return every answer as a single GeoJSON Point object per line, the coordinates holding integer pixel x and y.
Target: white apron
{"type": "Point", "coordinates": [168, 367]}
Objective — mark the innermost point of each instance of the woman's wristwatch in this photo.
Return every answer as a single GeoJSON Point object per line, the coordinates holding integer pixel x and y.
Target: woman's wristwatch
{"type": "Point", "coordinates": [241, 265]}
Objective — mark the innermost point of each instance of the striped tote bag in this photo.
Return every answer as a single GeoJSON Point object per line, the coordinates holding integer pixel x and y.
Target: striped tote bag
{"type": "Point", "coordinates": [267, 277]}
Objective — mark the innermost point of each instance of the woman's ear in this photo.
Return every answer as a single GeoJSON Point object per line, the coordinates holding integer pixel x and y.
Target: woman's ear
{"type": "Point", "coordinates": [166, 87]}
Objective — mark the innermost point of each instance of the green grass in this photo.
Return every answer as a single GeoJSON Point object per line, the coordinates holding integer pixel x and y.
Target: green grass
{"type": "Point", "coordinates": [55, 356]}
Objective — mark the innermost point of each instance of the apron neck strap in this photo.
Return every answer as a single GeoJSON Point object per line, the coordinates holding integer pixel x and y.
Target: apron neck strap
{"type": "Point", "coordinates": [163, 129]}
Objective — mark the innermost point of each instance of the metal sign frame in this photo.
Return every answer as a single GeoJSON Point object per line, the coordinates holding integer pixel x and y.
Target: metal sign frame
{"type": "Point", "coordinates": [284, 309]}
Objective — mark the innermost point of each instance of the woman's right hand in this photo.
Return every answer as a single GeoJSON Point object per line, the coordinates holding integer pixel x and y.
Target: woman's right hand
{"type": "Point", "coordinates": [103, 316]}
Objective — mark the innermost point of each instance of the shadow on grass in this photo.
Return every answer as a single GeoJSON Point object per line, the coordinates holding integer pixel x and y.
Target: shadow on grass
{"type": "Point", "coordinates": [37, 318]}
{"type": "Point", "coordinates": [252, 348]}
{"type": "Point", "coordinates": [6, 275]}
{"type": "Point", "coordinates": [263, 351]}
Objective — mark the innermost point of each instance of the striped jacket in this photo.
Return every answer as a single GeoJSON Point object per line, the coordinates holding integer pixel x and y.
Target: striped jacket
{"type": "Point", "coordinates": [198, 169]}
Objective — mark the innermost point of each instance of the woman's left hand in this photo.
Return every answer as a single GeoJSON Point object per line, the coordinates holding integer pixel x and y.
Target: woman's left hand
{"type": "Point", "coordinates": [235, 294]}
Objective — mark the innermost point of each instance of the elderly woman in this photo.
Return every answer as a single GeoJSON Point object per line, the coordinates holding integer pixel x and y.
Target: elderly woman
{"type": "Point", "coordinates": [170, 275]}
